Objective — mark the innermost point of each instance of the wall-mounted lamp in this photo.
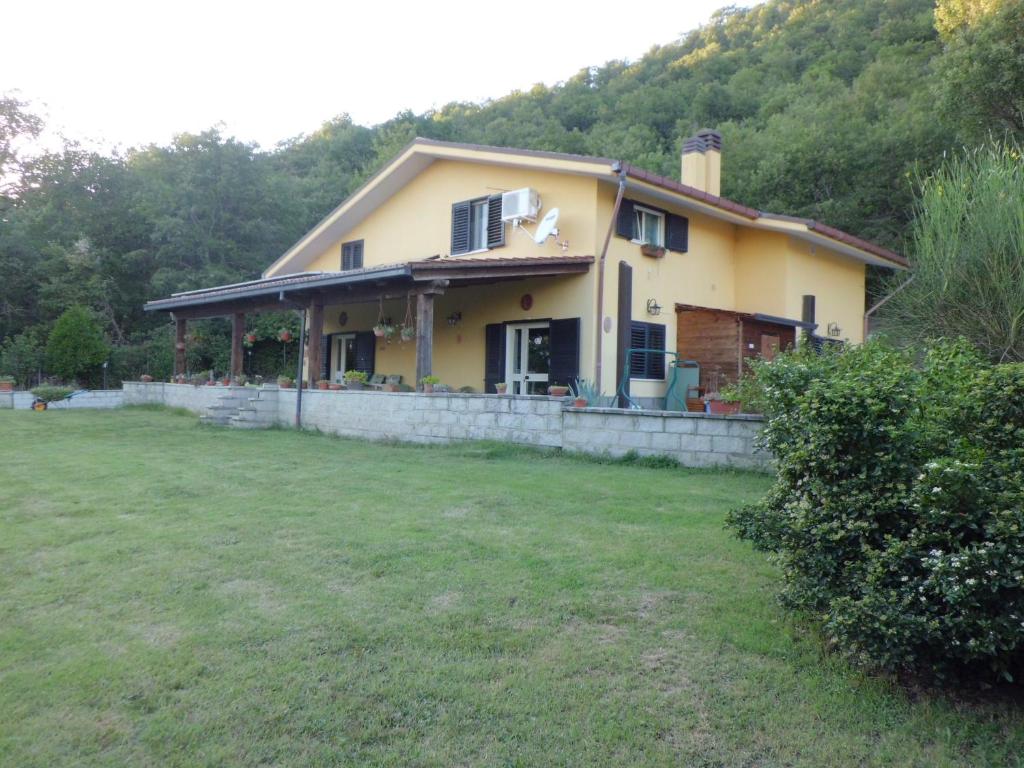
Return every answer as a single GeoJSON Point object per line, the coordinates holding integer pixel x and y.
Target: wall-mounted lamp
{"type": "Point", "coordinates": [834, 330]}
{"type": "Point", "coordinates": [454, 319]}
{"type": "Point", "coordinates": [653, 307]}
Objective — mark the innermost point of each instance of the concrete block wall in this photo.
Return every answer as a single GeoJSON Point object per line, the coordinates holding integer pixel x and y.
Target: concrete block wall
{"type": "Point", "coordinates": [692, 439]}
{"type": "Point", "coordinates": [422, 418]}
{"type": "Point", "coordinates": [95, 398]}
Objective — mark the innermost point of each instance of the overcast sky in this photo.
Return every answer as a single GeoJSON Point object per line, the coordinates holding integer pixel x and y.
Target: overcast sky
{"type": "Point", "coordinates": [130, 73]}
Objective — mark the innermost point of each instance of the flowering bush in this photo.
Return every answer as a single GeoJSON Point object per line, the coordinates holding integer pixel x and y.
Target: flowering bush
{"type": "Point", "coordinates": [898, 513]}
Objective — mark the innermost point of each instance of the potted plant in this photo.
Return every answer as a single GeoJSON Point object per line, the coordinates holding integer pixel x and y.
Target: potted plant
{"type": "Point", "coordinates": [408, 332]}
{"type": "Point", "coordinates": [284, 335]}
{"type": "Point", "coordinates": [584, 393]}
{"type": "Point", "coordinates": [501, 387]}
{"type": "Point", "coordinates": [383, 330]}
{"type": "Point", "coordinates": [145, 378]}
{"type": "Point", "coordinates": [355, 379]}
{"type": "Point", "coordinates": [6, 383]}
{"type": "Point", "coordinates": [334, 386]}
{"type": "Point", "coordinates": [725, 402]}
{"type": "Point", "coordinates": [285, 382]}
{"type": "Point", "coordinates": [428, 383]}
{"type": "Point", "coordinates": [557, 390]}
{"type": "Point", "coordinates": [653, 251]}
{"type": "Point", "coordinates": [249, 339]}
{"type": "Point", "coordinates": [323, 384]}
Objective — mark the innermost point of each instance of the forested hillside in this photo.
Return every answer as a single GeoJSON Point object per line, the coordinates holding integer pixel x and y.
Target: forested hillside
{"type": "Point", "coordinates": [828, 109]}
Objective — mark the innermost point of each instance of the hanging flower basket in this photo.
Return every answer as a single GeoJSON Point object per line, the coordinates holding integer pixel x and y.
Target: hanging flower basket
{"type": "Point", "coordinates": [249, 339]}
{"type": "Point", "coordinates": [284, 335]}
{"type": "Point", "coordinates": [408, 333]}
{"type": "Point", "coordinates": [383, 331]}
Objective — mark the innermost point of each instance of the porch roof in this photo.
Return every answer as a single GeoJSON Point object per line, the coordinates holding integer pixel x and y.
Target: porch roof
{"type": "Point", "coordinates": [367, 284]}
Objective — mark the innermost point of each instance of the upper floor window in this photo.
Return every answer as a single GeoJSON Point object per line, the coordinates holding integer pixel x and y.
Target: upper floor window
{"type": "Point", "coordinates": [649, 226]}
{"type": "Point", "coordinates": [352, 255]}
{"type": "Point", "coordinates": [644, 224]}
{"type": "Point", "coordinates": [477, 225]}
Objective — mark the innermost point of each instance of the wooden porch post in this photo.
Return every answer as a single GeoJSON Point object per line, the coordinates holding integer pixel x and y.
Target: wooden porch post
{"type": "Point", "coordinates": [180, 329]}
{"type": "Point", "coordinates": [237, 331]}
{"type": "Point", "coordinates": [314, 336]}
{"type": "Point", "coordinates": [424, 335]}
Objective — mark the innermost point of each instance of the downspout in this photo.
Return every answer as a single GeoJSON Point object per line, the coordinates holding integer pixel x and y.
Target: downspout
{"type": "Point", "coordinates": [298, 377]}
{"type": "Point", "coordinates": [617, 169]}
{"type": "Point", "coordinates": [878, 305]}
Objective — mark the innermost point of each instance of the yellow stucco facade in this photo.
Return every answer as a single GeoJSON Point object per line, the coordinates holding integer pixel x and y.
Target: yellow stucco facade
{"type": "Point", "coordinates": [731, 263]}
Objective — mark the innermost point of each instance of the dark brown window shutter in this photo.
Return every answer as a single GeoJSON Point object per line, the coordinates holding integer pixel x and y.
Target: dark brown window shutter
{"type": "Point", "coordinates": [494, 356]}
{"type": "Point", "coordinates": [677, 233]}
{"type": "Point", "coordinates": [565, 351]}
{"type": "Point", "coordinates": [495, 226]}
{"type": "Point", "coordinates": [625, 222]}
{"type": "Point", "coordinates": [366, 351]}
{"type": "Point", "coordinates": [649, 365]}
{"type": "Point", "coordinates": [352, 255]}
{"type": "Point", "coordinates": [325, 355]}
{"type": "Point", "coordinates": [460, 227]}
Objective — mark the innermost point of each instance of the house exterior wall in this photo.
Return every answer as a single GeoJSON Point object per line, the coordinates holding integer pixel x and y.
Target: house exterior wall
{"type": "Point", "coordinates": [416, 222]}
{"type": "Point", "coordinates": [727, 266]}
{"type": "Point", "coordinates": [459, 351]}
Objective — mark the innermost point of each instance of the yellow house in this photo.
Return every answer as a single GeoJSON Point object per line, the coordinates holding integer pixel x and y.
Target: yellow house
{"type": "Point", "coordinates": [486, 266]}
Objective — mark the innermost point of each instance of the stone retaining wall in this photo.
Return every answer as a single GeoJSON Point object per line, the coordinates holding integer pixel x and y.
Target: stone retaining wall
{"type": "Point", "coordinates": [692, 439]}
{"type": "Point", "coordinates": [94, 398]}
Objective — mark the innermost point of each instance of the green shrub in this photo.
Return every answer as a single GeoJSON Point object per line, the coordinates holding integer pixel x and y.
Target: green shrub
{"type": "Point", "coordinates": [51, 394]}
{"type": "Point", "coordinates": [76, 346]}
{"type": "Point", "coordinates": [898, 513]}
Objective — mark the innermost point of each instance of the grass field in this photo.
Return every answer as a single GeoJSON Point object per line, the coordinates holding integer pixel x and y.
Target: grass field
{"type": "Point", "coordinates": [176, 595]}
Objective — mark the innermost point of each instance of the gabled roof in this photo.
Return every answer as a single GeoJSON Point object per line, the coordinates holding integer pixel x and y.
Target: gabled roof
{"type": "Point", "coordinates": [421, 153]}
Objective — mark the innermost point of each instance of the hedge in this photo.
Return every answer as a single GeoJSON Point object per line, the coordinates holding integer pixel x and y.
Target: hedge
{"type": "Point", "coordinates": [898, 511]}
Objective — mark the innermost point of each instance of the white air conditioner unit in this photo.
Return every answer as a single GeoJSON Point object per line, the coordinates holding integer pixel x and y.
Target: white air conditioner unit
{"type": "Point", "coordinates": [522, 204]}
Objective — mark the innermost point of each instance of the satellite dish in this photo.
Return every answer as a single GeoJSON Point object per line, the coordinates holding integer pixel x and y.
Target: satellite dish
{"type": "Point", "coordinates": [547, 227]}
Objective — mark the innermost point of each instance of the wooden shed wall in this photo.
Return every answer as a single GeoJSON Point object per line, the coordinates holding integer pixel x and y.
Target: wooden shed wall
{"type": "Point", "coordinates": [720, 340]}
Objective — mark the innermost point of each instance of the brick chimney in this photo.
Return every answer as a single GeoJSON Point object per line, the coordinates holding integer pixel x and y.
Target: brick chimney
{"type": "Point", "coordinates": [702, 161]}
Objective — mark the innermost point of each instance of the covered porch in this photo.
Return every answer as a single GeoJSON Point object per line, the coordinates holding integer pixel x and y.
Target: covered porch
{"type": "Point", "coordinates": [474, 322]}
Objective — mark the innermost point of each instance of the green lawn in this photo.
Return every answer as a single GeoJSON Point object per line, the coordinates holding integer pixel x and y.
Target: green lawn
{"type": "Point", "coordinates": [176, 595]}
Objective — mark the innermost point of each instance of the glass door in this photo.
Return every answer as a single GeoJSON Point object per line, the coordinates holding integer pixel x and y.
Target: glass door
{"type": "Point", "coordinates": [343, 356]}
{"type": "Point", "coordinates": [528, 358]}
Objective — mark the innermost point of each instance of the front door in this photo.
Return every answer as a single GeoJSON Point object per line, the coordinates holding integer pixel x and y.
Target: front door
{"type": "Point", "coordinates": [343, 355]}
{"type": "Point", "coordinates": [769, 346]}
{"type": "Point", "coordinates": [528, 358]}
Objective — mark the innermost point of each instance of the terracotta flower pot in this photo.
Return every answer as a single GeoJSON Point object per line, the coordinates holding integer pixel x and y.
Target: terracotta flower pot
{"type": "Point", "coordinates": [322, 385]}
{"type": "Point", "coordinates": [579, 402]}
{"type": "Point", "coordinates": [145, 378]}
{"type": "Point", "coordinates": [723, 407]}
{"type": "Point", "coordinates": [558, 391]}
{"type": "Point", "coordinates": [428, 389]}
{"type": "Point", "coordinates": [6, 386]}
{"type": "Point", "coordinates": [334, 387]}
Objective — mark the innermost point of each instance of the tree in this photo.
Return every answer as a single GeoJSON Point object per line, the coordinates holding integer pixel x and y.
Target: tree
{"type": "Point", "coordinates": [968, 256]}
{"type": "Point", "coordinates": [16, 124]}
{"type": "Point", "coordinates": [76, 346]}
{"type": "Point", "coordinates": [21, 356]}
{"type": "Point", "coordinates": [982, 68]}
